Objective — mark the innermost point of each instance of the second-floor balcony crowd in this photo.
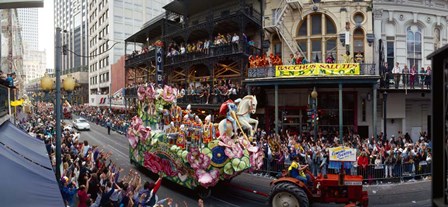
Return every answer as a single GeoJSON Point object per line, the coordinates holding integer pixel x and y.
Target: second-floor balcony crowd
{"type": "Point", "coordinates": [220, 45]}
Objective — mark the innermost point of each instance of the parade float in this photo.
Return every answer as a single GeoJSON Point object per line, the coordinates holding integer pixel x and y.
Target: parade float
{"type": "Point", "coordinates": [67, 110]}
{"type": "Point", "coordinates": [178, 145]}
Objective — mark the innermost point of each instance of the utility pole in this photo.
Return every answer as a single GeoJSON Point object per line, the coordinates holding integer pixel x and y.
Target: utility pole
{"type": "Point", "coordinates": [57, 107]}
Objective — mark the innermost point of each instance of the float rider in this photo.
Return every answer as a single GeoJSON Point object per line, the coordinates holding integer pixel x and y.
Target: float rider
{"type": "Point", "coordinates": [232, 107]}
{"type": "Point", "coordinates": [297, 171]}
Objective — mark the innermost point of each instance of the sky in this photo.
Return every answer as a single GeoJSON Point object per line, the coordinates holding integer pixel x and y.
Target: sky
{"type": "Point", "coordinates": [46, 31]}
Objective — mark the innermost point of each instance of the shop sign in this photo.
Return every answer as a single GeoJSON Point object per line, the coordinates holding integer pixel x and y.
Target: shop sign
{"type": "Point", "coordinates": [342, 154]}
{"type": "Point", "coordinates": [159, 65]}
{"type": "Point", "coordinates": [117, 101]}
{"type": "Point", "coordinates": [317, 69]}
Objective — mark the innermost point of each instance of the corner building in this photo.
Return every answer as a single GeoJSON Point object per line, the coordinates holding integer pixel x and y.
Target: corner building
{"type": "Point", "coordinates": [192, 22]}
{"type": "Point", "coordinates": [406, 32]}
{"type": "Point", "coordinates": [315, 30]}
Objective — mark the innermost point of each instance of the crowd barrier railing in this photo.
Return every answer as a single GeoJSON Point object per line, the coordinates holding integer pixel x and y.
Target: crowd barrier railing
{"type": "Point", "coordinates": [117, 128]}
{"type": "Point", "coordinates": [372, 173]}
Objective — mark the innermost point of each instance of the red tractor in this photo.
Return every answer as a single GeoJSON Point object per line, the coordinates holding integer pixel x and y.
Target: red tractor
{"type": "Point", "coordinates": [336, 188]}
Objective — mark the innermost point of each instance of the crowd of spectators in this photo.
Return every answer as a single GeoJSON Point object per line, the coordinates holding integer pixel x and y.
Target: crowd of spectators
{"type": "Point", "coordinates": [203, 46]}
{"type": "Point", "coordinates": [101, 116]}
{"type": "Point", "coordinates": [89, 177]}
{"type": "Point", "coordinates": [205, 93]}
{"type": "Point", "coordinates": [393, 157]}
{"type": "Point", "coordinates": [202, 92]}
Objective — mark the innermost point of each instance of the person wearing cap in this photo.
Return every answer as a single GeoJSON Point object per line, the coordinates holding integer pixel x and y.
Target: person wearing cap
{"type": "Point", "coordinates": [396, 71]}
{"type": "Point", "coordinates": [297, 171]}
{"type": "Point", "coordinates": [68, 190]}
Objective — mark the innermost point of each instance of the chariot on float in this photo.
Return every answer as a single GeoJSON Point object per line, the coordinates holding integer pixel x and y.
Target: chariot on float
{"type": "Point", "coordinates": [181, 147]}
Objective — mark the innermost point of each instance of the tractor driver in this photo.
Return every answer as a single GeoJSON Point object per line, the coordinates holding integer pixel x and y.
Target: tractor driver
{"type": "Point", "coordinates": [297, 171]}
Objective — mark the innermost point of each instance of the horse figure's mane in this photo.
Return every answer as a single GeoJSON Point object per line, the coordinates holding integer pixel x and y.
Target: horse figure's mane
{"type": "Point", "coordinates": [248, 97]}
{"type": "Point", "coordinates": [245, 99]}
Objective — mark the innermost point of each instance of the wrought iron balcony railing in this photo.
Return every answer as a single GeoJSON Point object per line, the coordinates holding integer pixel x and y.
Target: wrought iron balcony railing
{"type": "Point", "coordinates": [134, 60]}
{"type": "Point", "coordinates": [214, 51]}
{"type": "Point", "coordinates": [405, 81]}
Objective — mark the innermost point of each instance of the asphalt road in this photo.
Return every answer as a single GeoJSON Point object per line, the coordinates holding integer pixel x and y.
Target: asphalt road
{"type": "Point", "coordinates": [239, 191]}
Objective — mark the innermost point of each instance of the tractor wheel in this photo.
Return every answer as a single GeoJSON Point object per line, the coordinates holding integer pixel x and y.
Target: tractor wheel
{"type": "Point", "coordinates": [288, 195]}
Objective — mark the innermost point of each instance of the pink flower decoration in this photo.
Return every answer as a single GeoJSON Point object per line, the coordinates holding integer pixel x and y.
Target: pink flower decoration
{"type": "Point", "coordinates": [141, 93]}
{"type": "Point", "coordinates": [256, 160]}
{"type": "Point", "coordinates": [247, 145]}
{"type": "Point", "coordinates": [208, 179]}
{"type": "Point", "coordinates": [167, 169]}
{"type": "Point", "coordinates": [153, 162]}
{"type": "Point", "coordinates": [150, 92]}
{"type": "Point", "coordinates": [133, 140]}
{"type": "Point", "coordinates": [168, 94]}
{"type": "Point", "coordinates": [197, 159]}
{"type": "Point", "coordinates": [145, 132]}
{"type": "Point", "coordinates": [233, 149]}
{"type": "Point", "coordinates": [136, 122]}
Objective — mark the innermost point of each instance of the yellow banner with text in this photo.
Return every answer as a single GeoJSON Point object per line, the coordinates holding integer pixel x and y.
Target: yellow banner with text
{"type": "Point", "coordinates": [317, 69]}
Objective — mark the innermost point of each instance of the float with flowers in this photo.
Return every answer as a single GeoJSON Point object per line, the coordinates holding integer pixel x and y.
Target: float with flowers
{"type": "Point", "coordinates": [178, 145]}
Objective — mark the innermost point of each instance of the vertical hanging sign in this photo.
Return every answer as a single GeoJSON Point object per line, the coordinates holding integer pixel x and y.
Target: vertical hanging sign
{"type": "Point", "coordinates": [159, 65]}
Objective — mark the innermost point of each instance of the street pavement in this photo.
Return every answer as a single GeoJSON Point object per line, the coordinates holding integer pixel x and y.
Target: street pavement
{"type": "Point", "coordinates": [240, 191]}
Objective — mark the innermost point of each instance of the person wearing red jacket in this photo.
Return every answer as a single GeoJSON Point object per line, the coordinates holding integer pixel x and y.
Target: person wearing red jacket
{"type": "Point", "coordinates": [363, 162]}
{"type": "Point", "coordinates": [82, 194]}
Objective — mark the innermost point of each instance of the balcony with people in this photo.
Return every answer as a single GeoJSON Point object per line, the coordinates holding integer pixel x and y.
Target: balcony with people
{"type": "Point", "coordinates": [265, 66]}
{"type": "Point", "coordinates": [405, 78]}
{"type": "Point", "coordinates": [202, 47]}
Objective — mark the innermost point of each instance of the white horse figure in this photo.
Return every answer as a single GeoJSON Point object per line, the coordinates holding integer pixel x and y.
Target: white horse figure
{"type": "Point", "coordinates": [247, 106]}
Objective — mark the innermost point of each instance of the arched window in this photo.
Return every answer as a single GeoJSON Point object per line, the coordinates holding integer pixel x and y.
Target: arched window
{"type": "Point", "coordinates": [317, 37]}
{"type": "Point", "coordinates": [358, 43]}
{"type": "Point", "coordinates": [414, 43]}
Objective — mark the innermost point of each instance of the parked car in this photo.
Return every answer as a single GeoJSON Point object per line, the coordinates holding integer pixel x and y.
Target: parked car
{"type": "Point", "coordinates": [81, 124]}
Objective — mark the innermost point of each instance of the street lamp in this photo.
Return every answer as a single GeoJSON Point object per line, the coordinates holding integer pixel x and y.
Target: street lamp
{"type": "Point", "coordinates": [385, 114]}
{"type": "Point", "coordinates": [69, 84]}
{"type": "Point", "coordinates": [46, 84]}
{"type": "Point", "coordinates": [314, 97]}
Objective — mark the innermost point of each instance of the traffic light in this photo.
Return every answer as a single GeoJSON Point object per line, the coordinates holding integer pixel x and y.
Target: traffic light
{"type": "Point", "coordinates": [64, 49]}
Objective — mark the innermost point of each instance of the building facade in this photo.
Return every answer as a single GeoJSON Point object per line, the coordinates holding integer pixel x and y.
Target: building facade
{"type": "Point", "coordinates": [406, 32]}
{"type": "Point", "coordinates": [34, 61]}
{"type": "Point", "coordinates": [34, 64]}
{"type": "Point", "coordinates": [109, 23]}
{"type": "Point", "coordinates": [318, 30]}
{"type": "Point", "coordinates": [71, 17]}
{"type": "Point", "coordinates": [29, 20]}
{"type": "Point", "coordinates": [205, 45]}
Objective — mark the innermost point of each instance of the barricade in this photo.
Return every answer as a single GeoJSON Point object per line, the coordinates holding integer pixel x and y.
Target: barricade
{"type": "Point", "coordinates": [371, 174]}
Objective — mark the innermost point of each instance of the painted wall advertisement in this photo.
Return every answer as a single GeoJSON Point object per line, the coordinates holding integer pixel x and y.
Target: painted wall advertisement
{"type": "Point", "coordinates": [342, 154]}
{"type": "Point", "coordinates": [317, 69]}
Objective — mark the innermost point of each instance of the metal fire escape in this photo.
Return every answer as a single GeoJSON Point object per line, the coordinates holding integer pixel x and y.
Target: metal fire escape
{"type": "Point", "coordinates": [277, 24]}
